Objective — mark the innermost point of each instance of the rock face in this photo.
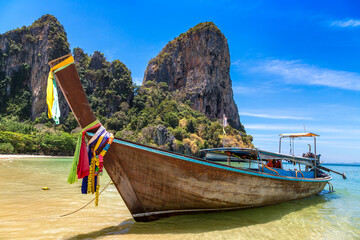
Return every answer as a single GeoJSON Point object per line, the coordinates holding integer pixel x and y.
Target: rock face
{"type": "Point", "coordinates": [197, 65]}
{"type": "Point", "coordinates": [24, 56]}
{"type": "Point", "coordinates": [163, 136]}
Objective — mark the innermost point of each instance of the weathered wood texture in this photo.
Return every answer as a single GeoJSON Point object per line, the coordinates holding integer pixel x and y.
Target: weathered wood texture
{"type": "Point", "coordinates": [70, 84]}
{"type": "Point", "coordinates": [166, 185]}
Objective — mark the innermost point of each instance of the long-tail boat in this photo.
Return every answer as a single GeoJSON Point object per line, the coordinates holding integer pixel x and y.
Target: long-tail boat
{"type": "Point", "coordinates": [156, 183]}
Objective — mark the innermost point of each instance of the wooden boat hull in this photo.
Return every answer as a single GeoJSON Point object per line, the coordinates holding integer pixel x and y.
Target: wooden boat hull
{"type": "Point", "coordinates": [156, 183]}
{"type": "Point", "coordinates": [160, 183]}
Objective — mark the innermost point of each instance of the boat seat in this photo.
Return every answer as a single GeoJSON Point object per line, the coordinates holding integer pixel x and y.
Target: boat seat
{"type": "Point", "coordinates": [289, 173]}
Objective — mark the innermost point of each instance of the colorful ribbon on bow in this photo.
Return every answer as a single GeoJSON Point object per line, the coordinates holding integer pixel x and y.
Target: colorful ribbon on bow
{"type": "Point", "coordinates": [52, 100]}
{"type": "Point", "coordinates": [80, 163]}
{"type": "Point", "coordinates": [87, 164]}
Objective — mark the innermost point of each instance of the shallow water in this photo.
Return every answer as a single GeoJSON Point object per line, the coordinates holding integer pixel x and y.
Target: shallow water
{"type": "Point", "coordinates": [28, 212]}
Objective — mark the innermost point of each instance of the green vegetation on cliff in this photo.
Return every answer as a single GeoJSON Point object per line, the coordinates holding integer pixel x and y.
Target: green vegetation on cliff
{"type": "Point", "coordinates": [150, 114]}
{"type": "Point", "coordinates": [155, 117]}
{"type": "Point", "coordinates": [160, 118]}
{"type": "Point", "coordinates": [14, 95]}
{"type": "Point", "coordinates": [107, 84]}
{"type": "Point", "coordinates": [24, 53]}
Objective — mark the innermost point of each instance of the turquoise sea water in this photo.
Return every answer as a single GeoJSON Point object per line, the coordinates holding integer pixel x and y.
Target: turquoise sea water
{"type": "Point", "coordinates": [28, 212]}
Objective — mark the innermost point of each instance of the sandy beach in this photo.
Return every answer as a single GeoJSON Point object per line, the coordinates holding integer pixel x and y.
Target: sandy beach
{"type": "Point", "coordinates": [16, 156]}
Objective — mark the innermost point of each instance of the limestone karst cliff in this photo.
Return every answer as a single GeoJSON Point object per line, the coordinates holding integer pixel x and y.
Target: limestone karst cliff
{"type": "Point", "coordinates": [24, 54]}
{"type": "Point", "coordinates": [197, 65]}
{"type": "Point", "coordinates": [186, 89]}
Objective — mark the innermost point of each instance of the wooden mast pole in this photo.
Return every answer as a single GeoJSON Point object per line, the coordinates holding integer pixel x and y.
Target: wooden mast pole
{"type": "Point", "coordinates": [74, 93]}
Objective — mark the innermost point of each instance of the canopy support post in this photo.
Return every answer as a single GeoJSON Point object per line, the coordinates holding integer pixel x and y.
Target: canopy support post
{"type": "Point", "coordinates": [280, 144]}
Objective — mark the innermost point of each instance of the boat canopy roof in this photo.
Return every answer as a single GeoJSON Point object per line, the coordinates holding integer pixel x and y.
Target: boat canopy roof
{"type": "Point", "coordinates": [294, 135]}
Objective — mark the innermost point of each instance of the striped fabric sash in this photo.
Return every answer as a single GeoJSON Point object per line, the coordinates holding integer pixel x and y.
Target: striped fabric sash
{"type": "Point", "coordinates": [52, 100]}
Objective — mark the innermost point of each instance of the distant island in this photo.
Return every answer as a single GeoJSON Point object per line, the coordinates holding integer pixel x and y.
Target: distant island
{"type": "Point", "coordinates": [343, 164]}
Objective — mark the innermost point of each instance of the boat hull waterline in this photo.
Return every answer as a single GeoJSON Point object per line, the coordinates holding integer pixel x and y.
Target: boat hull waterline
{"type": "Point", "coordinates": [164, 185]}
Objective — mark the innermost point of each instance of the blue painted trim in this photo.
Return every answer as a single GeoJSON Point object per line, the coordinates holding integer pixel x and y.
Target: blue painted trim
{"type": "Point", "coordinates": [227, 149]}
{"type": "Point", "coordinates": [209, 164]}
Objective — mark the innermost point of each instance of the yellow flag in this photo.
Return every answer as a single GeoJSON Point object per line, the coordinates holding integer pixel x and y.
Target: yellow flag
{"type": "Point", "coordinates": [50, 93]}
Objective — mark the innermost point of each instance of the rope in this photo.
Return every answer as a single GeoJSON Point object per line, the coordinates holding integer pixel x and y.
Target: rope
{"type": "Point", "coordinates": [270, 169]}
{"type": "Point", "coordinates": [296, 173]}
{"type": "Point", "coordinates": [64, 215]}
{"type": "Point", "coordinates": [87, 203]}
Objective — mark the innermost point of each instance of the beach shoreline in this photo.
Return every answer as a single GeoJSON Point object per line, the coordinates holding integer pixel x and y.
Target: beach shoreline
{"type": "Point", "coordinates": [17, 156]}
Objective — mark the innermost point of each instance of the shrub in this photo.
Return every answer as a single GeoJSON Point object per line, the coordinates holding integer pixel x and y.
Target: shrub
{"type": "Point", "coordinates": [61, 142]}
{"type": "Point", "coordinates": [70, 123]}
{"type": "Point", "coordinates": [12, 124]}
{"type": "Point", "coordinates": [191, 125]}
{"type": "Point", "coordinates": [22, 143]}
{"type": "Point", "coordinates": [44, 119]}
{"type": "Point", "coordinates": [180, 133]}
{"type": "Point", "coordinates": [6, 148]}
{"type": "Point", "coordinates": [117, 121]}
{"type": "Point", "coordinates": [171, 119]}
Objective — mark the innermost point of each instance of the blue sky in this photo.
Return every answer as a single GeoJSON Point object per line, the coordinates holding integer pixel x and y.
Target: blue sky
{"type": "Point", "coordinates": [293, 64]}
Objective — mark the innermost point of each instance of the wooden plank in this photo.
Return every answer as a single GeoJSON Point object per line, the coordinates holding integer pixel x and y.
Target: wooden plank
{"type": "Point", "coordinates": [167, 186]}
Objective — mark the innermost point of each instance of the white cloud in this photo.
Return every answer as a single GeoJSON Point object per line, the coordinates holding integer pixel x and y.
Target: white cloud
{"type": "Point", "coordinates": [266, 140]}
{"type": "Point", "coordinates": [346, 23]}
{"type": "Point", "coordinates": [242, 90]}
{"type": "Point", "coordinates": [137, 80]}
{"type": "Point", "coordinates": [236, 63]}
{"type": "Point", "coordinates": [296, 72]}
{"type": "Point", "coordinates": [264, 115]}
{"type": "Point", "coordinates": [339, 131]}
{"type": "Point", "coordinates": [278, 127]}
{"type": "Point", "coordinates": [339, 145]}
